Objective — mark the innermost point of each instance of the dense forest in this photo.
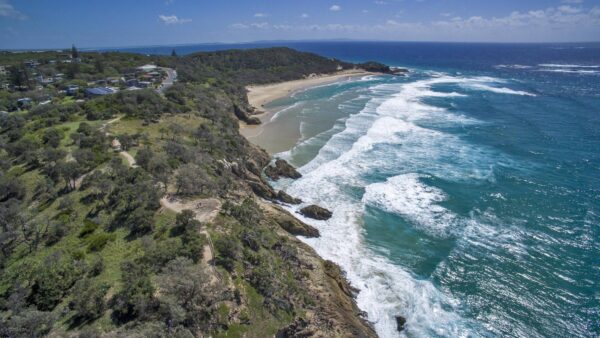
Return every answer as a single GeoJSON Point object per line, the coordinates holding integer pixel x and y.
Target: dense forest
{"type": "Point", "coordinates": [145, 213]}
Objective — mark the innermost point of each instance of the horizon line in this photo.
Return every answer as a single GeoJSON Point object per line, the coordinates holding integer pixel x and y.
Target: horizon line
{"type": "Point", "coordinates": [108, 48]}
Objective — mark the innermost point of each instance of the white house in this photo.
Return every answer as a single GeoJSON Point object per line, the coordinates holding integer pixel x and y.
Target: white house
{"type": "Point", "coordinates": [147, 68]}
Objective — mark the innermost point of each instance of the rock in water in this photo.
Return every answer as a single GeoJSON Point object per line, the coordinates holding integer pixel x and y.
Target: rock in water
{"type": "Point", "coordinates": [400, 322]}
{"type": "Point", "coordinates": [316, 212]}
{"type": "Point", "coordinates": [285, 198]}
{"type": "Point", "coordinates": [281, 169]}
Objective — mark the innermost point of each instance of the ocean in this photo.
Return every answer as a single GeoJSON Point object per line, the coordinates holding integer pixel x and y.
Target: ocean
{"type": "Point", "coordinates": [466, 195]}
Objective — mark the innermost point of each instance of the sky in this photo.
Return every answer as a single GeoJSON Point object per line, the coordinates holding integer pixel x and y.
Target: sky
{"type": "Point", "coordinates": [31, 24]}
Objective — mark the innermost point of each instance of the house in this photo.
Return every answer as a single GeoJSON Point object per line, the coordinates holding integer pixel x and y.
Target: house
{"type": "Point", "coordinates": [44, 80]}
{"type": "Point", "coordinates": [72, 89]}
{"type": "Point", "coordinates": [3, 71]}
{"type": "Point", "coordinates": [113, 80]}
{"type": "Point", "coordinates": [99, 91]}
{"type": "Point", "coordinates": [116, 145]}
{"type": "Point", "coordinates": [144, 84]}
{"type": "Point", "coordinates": [32, 63]}
{"type": "Point", "coordinates": [24, 102]}
{"type": "Point", "coordinates": [132, 83]}
{"type": "Point", "coordinates": [147, 68]}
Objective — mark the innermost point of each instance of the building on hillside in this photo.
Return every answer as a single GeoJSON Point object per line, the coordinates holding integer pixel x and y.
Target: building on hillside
{"type": "Point", "coordinates": [24, 102]}
{"type": "Point", "coordinates": [116, 145]}
{"type": "Point", "coordinates": [132, 83]}
{"type": "Point", "coordinates": [72, 89]}
{"type": "Point", "coordinates": [3, 71]}
{"type": "Point", "coordinates": [144, 84]}
{"type": "Point", "coordinates": [32, 63]}
{"type": "Point", "coordinates": [147, 68]}
{"type": "Point", "coordinates": [99, 91]}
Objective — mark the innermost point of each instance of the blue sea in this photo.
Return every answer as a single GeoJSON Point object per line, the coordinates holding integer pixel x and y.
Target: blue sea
{"type": "Point", "coordinates": [465, 195]}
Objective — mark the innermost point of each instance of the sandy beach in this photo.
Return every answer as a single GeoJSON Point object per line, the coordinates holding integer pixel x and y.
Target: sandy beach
{"type": "Point", "coordinates": [259, 96]}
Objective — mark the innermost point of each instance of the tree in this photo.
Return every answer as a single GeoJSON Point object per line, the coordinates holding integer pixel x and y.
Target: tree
{"type": "Point", "coordinates": [69, 171]}
{"type": "Point", "coordinates": [89, 301]}
{"type": "Point", "coordinates": [74, 52]}
{"type": "Point", "coordinates": [19, 77]}
{"type": "Point", "coordinates": [188, 297]}
{"type": "Point", "coordinates": [52, 137]}
{"type": "Point", "coordinates": [99, 65]}
{"type": "Point", "coordinates": [72, 70]}
{"type": "Point", "coordinates": [136, 299]}
{"type": "Point", "coordinates": [143, 157]}
{"type": "Point", "coordinates": [173, 53]}
{"type": "Point", "coordinates": [126, 140]}
{"type": "Point", "coordinates": [27, 323]}
{"type": "Point", "coordinates": [85, 128]}
{"type": "Point", "coordinates": [52, 280]}
{"type": "Point", "coordinates": [192, 180]}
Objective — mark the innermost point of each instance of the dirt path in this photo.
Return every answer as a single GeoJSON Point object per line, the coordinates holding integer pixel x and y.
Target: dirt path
{"type": "Point", "coordinates": [129, 158]}
{"type": "Point", "coordinates": [104, 125]}
{"type": "Point", "coordinates": [205, 210]}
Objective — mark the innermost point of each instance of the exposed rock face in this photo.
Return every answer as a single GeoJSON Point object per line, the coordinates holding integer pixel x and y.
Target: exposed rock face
{"type": "Point", "coordinates": [281, 169]}
{"type": "Point", "coordinates": [262, 190]}
{"type": "Point", "coordinates": [289, 223]}
{"type": "Point", "coordinates": [285, 198]}
{"type": "Point", "coordinates": [297, 228]}
{"type": "Point", "coordinates": [298, 328]}
{"type": "Point", "coordinates": [243, 115]}
{"type": "Point", "coordinates": [400, 322]}
{"type": "Point", "coordinates": [316, 212]}
{"type": "Point", "coordinates": [334, 271]}
{"type": "Point", "coordinates": [376, 67]}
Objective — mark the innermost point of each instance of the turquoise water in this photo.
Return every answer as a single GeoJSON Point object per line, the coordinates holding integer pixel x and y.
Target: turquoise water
{"type": "Point", "coordinates": [466, 196]}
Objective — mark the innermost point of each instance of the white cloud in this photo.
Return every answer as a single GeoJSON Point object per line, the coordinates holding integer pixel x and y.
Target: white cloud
{"type": "Point", "coordinates": [260, 15]}
{"type": "Point", "coordinates": [304, 15]}
{"type": "Point", "coordinates": [7, 10]}
{"type": "Point", "coordinates": [550, 24]}
{"type": "Point", "coordinates": [568, 9]}
{"type": "Point", "coordinates": [335, 8]}
{"type": "Point", "coordinates": [572, 1]}
{"type": "Point", "coordinates": [380, 2]}
{"type": "Point", "coordinates": [172, 20]}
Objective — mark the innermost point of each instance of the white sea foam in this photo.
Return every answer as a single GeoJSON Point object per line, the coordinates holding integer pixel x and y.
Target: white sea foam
{"type": "Point", "coordinates": [558, 65]}
{"type": "Point", "coordinates": [281, 112]}
{"type": "Point", "coordinates": [569, 71]}
{"type": "Point", "coordinates": [513, 66]}
{"type": "Point", "coordinates": [407, 196]}
{"type": "Point", "coordinates": [499, 90]}
{"type": "Point", "coordinates": [391, 135]}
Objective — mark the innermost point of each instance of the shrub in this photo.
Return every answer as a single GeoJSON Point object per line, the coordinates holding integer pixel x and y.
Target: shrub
{"type": "Point", "coordinates": [98, 241]}
{"type": "Point", "coordinates": [89, 227]}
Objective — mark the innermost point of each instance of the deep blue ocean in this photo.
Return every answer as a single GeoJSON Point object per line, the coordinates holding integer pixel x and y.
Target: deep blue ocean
{"type": "Point", "coordinates": [466, 195]}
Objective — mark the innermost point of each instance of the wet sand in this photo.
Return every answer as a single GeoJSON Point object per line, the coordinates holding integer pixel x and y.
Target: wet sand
{"type": "Point", "coordinates": [259, 96]}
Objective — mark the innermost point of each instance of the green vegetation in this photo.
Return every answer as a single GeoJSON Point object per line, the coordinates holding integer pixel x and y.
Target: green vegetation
{"type": "Point", "coordinates": [85, 247]}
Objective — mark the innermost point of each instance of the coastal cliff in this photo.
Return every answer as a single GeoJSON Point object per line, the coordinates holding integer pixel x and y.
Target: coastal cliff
{"type": "Point", "coordinates": [145, 212]}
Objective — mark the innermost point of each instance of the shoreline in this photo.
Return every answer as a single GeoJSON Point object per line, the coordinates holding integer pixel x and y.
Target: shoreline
{"type": "Point", "coordinates": [261, 95]}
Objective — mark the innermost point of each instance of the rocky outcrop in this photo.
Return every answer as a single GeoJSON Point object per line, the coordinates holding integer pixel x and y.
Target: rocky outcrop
{"type": "Point", "coordinates": [282, 196]}
{"type": "Point", "coordinates": [287, 222]}
{"type": "Point", "coordinates": [377, 67]}
{"type": "Point", "coordinates": [316, 212]}
{"type": "Point", "coordinates": [296, 227]}
{"type": "Point", "coordinates": [262, 190]}
{"type": "Point", "coordinates": [244, 116]}
{"type": "Point", "coordinates": [400, 322]}
{"type": "Point", "coordinates": [281, 169]}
